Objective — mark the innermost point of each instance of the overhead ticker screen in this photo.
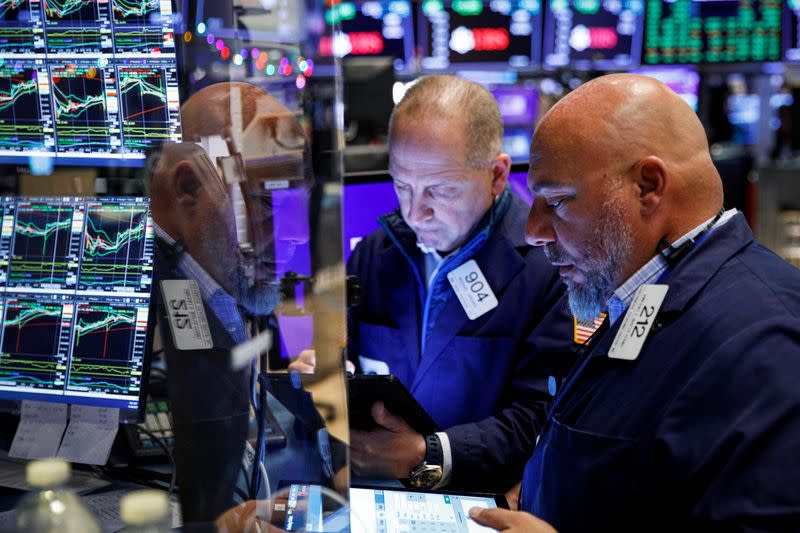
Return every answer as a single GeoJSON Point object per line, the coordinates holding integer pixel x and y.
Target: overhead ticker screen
{"type": "Point", "coordinates": [91, 82]}
{"type": "Point", "coordinates": [712, 31]}
{"type": "Point", "coordinates": [591, 34]}
{"type": "Point", "coordinates": [74, 299]}
{"type": "Point", "coordinates": [379, 28]}
{"type": "Point", "coordinates": [460, 32]}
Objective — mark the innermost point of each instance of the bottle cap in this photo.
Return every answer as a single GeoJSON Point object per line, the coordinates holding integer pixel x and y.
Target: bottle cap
{"type": "Point", "coordinates": [144, 507]}
{"type": "Point", "coordinates": [47, 473]}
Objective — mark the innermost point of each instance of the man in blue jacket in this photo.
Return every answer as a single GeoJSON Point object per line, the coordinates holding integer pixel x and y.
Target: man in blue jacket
{"type": "Point", "coordinates": [683, 414]}
{"type": "Point", "coordinates": [478, 365]}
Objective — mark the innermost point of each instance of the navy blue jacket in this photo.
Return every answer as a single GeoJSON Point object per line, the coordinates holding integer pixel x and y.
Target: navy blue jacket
{"type": "Point", "coordinates": [485, 380]}
{"type": "Point", "coordinates": [702, 431]}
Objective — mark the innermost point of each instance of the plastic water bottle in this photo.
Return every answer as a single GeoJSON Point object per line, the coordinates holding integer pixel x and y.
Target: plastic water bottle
{"type": "Point", "coordinates": [145, 511]}
{"type": "Point", "coordinates": [52, 507]}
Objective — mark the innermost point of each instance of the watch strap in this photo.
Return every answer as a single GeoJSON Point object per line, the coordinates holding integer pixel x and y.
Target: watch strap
{"type": "Point", "coordinates": [433, 450]}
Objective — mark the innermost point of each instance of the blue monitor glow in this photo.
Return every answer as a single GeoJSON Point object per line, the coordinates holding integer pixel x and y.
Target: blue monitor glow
{"type": "Point", "coordinates": [379, 28]}
{"type": "Point", "coordinates": [518, 106]}
{"type": "Point", "coordinates": [593, 34]}
{"type": "Point", "coordinates": [468, 33]}
{"type": "Point", "coordinates": [363, 203]}
{"type": "Point", "coordinates": [87, 83]}
{"type": "Point", "coordinates": [685, 81]}
{"type": "Point", "coordinates": [75, 286]}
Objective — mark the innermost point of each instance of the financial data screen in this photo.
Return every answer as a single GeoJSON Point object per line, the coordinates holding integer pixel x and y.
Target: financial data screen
{"type": "Point", "coordinates": [389, 511]}
{"type": "Point", "coordinates": [712, 31]}
{"type": "Point", "coordinates": [460, 32]}
{"type": "Point", "coordinates": [593, 34]}
{"type": "Point", "coordinates": [379, 28]}
{"type": "Point", "coordinates": [90, 82]}
{"type": "Point", "coordinates": [75, 282]}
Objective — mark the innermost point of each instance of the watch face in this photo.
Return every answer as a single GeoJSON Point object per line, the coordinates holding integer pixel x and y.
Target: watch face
{"type": "Point", "coordinates": [426, 476]}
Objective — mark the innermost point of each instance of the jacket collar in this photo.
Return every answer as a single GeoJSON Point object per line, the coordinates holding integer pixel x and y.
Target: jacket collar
{"type": "Point", "coordinates": [694, 272]}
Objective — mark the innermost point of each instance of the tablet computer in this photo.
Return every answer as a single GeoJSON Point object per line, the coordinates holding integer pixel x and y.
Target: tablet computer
{"type": "Point", "coordinates": [364, 390]}
{"type": "Point", "coordinates": [395, 510]}
{"type": "Point", "coordinates": [302, 506]}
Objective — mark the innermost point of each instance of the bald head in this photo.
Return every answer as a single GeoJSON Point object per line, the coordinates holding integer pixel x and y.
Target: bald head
{"type": "Point", "coordinates": [626, 118]}
{"type": "Point", "coordinates": [461, 104]}
{"type": "Point", "coordinates": [218, 108]}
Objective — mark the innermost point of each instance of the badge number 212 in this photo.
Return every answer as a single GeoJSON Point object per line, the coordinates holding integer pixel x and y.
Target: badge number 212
{"type": "Point", "coordinates": [642, 326]}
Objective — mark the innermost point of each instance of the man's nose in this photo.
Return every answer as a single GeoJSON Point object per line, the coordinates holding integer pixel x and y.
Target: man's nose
{"type": "Point", "coordinates": [419, 210]}
{"type": "Point", "coordinates": [539, 229]}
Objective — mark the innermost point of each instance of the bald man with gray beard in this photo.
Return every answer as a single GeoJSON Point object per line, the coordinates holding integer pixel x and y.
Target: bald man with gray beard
{"type": "Point", "coordinates": [683, 413]}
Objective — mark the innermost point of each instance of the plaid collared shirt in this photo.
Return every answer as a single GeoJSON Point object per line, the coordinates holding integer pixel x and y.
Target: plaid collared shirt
{"type": "Point", "coordinates": [653, 270]}
{"type": "Point", "coordinates": [222, 304]}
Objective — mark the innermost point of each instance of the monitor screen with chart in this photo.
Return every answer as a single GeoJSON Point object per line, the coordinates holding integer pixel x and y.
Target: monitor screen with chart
{"type": "Point", "coordinates": [87, 82]}
{"type": "Point", "coordinates": [75, 282]}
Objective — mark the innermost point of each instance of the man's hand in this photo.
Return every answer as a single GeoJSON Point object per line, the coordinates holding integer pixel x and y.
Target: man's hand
{"type": "Point", "coordinates": [306, 362]}
{"type": "Point", "coordinates": [392, 449]}
{"type": "Point", "coordinates": [244, 518]}
{"type": "Point", "coordinates": [507, 521]}
{"type": "Point", "coordinates": [512, 496]}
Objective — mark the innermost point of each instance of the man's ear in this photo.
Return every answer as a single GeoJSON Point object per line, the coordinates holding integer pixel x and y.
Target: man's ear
{"type": "Point", "coordinates": [501, 166]}
{"type": "Point", "coordinates": [186, 184]}
{"type": "Point", "coordinates": [651, 178]}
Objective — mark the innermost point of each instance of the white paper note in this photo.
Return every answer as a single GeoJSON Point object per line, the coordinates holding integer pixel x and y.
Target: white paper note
{"type": "Point", "coordinates": [90, 434]}
{"type": "Point", "coordinates": [41, 426]}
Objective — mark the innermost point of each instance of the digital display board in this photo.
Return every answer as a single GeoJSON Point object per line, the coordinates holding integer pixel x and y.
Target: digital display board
{"type": "Point", "coordinates": [381, 28]}
{"type": "Point", "coordinates": [791, 35]}
{"type": "Point", "coordinates": [712, 31]}
{"type": "Point", "coordinates": [472, 32]}
{"type": "Point", "coordinates": [591, 34]}
{"type": "Point", "coordinates": [90, 82]}
{"type": "Point", "coordinates": [75, 285]}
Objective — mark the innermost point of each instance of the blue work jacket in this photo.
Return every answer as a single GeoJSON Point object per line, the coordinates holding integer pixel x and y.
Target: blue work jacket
{"type": "Point", "coordinates": [702, 431]}
{"type": "Point", "coordinates": [485, 380]}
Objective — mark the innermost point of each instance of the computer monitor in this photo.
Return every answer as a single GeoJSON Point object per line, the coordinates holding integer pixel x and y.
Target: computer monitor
{"type": "Point", "coordinates": [711, 31]}
{"type": "Point", "coordinates": [593, 35]}
{"type": "Point", "coordinates": [685, 81]}
{"type": "Point", "coordinates": [380, 28]}
{"type": "Point", "coordinates": [366, 197]}
{"type": "Point", "coordinates": [518, 107]}
{"type": "Point", "coordinates": [86, 82]}
{"type": "Point", "coordinates": [791, 35]}
{"type": "Point", "coordinates": [75, 286]}
{"type": "Point", "coordinates": [479, 33]}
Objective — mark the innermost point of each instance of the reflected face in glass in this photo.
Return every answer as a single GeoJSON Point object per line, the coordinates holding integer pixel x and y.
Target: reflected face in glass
{"type": "Point", "coordinates": [441, 198]}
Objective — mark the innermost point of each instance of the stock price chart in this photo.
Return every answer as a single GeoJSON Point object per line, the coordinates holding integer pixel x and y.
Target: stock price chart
{"type": "Point", "coordinates": [75, 282]}
{"type": "Point", "coordinates": [18, 31]}
{"type": "Point", "coordinates": [35, 342]}
{"type": "Point", "coordinates": [140, 26]}
{"type": "Point", "coordinates": [21, 121]}
{"type": "Point", "coordinates": [117, 255]}
{"type": "Point", "coordinates": [87, 81]}
{"type": "Point", "coordinates": [44, 246]}
{"type": "Point", "coordinates": [146, 114]}
{"type": "Point", "coordinates": [82, 122]}
{"type": "Point", "coordinates": [108, 347]}
{"type": "Point", "coordinates": [76, 27]}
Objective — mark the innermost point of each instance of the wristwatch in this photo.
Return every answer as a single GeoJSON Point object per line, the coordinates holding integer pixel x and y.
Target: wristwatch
{"type": "Point", "coordinates": [428, 474]}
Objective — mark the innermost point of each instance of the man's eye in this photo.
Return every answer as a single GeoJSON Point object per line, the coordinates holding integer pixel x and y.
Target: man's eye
{"type": "Point", "coordinates": [555, 204]}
